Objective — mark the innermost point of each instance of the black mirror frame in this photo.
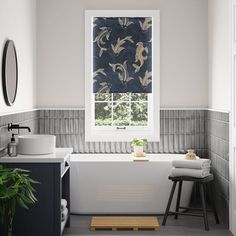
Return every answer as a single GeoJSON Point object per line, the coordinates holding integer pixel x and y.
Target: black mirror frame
{"type": "Point", "coordinates": [4, 82]}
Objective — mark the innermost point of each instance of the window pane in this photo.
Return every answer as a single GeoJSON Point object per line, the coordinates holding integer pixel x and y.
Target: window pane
{"type": "Point", "coordinates": [139, 114]}
{"type": "Point", "coordinates": [125, 113]}
{"type": "Point", "coordinates": [121, 114]}
{"type": "Point", "coordinates": [139, 96]}
{"type": "Point", "coordinates": [103, 114]}
{"type": "Point", "coordinates": [103, 96]}
{"type": "Point", "coordinates": [121, 96]}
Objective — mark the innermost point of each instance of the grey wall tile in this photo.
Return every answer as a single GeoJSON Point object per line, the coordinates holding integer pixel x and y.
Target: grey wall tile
{"type": "Point", "coordinates": [30, 119]}
{"type": "Point", "coordinates": [180, 130]}
{"type": "Point", "coordinates": [222, 207]}
{"type": "Point", "coordinates": [218, 152]}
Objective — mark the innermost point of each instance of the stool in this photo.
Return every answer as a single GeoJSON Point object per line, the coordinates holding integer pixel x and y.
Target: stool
{"type": "Point", "coordinates": [203, 182]}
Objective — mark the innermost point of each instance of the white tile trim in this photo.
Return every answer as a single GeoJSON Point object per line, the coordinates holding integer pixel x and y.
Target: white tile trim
{"type": "Point", "coordinates": [162, 108]}
{"type": "Point", "coordinates": [83, 108]}
{"type": "Point", "coordinates": [61, 108]}
{"type": "Point", "coordinates": [17, 112]}
{"type": "Point", "coordinates": [182, 108]}
{"type": "Point", "coordinates": [224, 111]}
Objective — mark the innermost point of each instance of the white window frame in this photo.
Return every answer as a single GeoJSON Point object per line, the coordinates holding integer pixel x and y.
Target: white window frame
{"type": "Point", "coordinates": [151, 132]}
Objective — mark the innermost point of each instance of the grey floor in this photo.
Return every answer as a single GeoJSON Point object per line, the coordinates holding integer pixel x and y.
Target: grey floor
{"type": "Point", "coordinates": [184, 226]}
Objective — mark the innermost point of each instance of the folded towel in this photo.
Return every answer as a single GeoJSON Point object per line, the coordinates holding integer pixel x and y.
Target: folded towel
{"type": "Point", "coordinates": [64, 214]}
{"type": "Point", "coordinates": [192, 164]}
{"type": "Point", "coordinates": [63, 204]}
{"type": "Point", "coordinates": [196, 173]}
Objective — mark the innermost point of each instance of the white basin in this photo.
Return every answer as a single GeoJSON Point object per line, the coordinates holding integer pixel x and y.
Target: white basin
{"type": "Point", "coordinates": [36, 144]}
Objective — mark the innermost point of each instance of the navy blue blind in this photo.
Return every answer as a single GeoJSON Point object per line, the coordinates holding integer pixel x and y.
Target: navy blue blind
{"type": "Point", "coordinates": [122, 55]}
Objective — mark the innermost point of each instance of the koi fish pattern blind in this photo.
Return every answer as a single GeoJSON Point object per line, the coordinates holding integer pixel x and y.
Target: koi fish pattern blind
{"type": "Point", "coordinates": [122, 54]}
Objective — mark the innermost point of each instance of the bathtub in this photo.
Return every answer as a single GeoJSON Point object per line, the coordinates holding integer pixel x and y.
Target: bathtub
{"type": "Point", "coordinates": [115, 184]}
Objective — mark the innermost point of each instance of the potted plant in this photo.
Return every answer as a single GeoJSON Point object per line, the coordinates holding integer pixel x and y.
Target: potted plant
{"type": "Point", "coordinates": [138, 144]}
{"type": "Point", "coordinates": [15, 189]}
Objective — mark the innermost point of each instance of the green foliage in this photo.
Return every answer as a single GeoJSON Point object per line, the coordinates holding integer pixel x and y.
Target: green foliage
{"type": "Point", "coordinates": [15, 189]}
{"type": "Point", "coordinates": [139, 97]}
{"type": "Point", "coordinates": [103, 96]}
{"type": "Point", "coordinates": [129, 109]}
{"type": "Point", "coordinates": [121, 113]}
{"type": "Point", "coordinates": [103, 115]}
{"type": "Point", "coordinates": [103, 122]}
{"type": "Point", "coordinates": [139, 113]}
{"type": "Point", "coordinates": [139, 141]}
{"type": "Point", "coordinates": [121, 96]}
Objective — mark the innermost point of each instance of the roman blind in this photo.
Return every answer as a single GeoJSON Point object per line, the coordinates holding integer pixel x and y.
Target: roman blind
{"type": "Point", "coordinates": [122, 54]}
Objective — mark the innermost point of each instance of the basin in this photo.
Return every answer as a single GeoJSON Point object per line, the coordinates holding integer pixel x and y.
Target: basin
{"type": "Point", "coordinates": [36, 144]}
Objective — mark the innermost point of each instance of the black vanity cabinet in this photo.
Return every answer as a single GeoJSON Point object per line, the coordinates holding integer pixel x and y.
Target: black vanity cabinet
{"type": "Point", "coordinates": [44, 217]}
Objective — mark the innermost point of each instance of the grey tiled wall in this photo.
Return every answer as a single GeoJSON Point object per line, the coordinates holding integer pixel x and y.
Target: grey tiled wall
{"type": "Point", "coordinates": [24, 119]}
{"type": "Point", "coordinates": [205, 131]}
{"type": "Point", "coordinates": [218, 152]}
{"type": "Point", "coordinates": [180, 130]}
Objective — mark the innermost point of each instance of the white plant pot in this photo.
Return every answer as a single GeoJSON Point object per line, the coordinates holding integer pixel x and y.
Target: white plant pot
{"type": "Point", "coordinates": [138, 150]}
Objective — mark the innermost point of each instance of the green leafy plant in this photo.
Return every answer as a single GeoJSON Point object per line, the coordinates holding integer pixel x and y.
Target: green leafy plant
{"type": "Point", "coordinates": [139, 141]}
{"type": "Point", "coordinates": [15, 189]}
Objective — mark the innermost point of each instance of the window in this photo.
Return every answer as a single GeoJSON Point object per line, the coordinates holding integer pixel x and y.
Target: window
{"type": "Point", "coordinates": [120, 110]}
{"type": "Point", "coordinates": [122, 92]}
{"type": "Point", "coordinates": [121, 117]}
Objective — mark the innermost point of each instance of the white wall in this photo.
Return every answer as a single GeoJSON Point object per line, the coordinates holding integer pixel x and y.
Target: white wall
{"type": "Point", "coordinates": [219, 54]}
{"type": "Point", "coordinates": [184, 67]}
{"type": "Point", "coordinates": [18, 22]}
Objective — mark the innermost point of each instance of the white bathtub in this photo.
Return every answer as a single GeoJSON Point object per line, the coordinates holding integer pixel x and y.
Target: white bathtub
{"type": "Point", "coordinates": [114, 184]}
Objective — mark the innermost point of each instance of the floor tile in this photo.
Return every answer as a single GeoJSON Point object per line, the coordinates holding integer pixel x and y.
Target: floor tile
{"type": "Point", "coordinates": [184, 226]}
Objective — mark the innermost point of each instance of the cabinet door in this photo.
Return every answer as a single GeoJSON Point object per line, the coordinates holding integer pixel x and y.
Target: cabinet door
{"type": "Point", "coordinates": [43, 217]}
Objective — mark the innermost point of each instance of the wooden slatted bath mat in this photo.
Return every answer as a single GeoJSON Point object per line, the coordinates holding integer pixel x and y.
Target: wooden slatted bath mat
{"type": "Point", "coordinates": [124, 223]}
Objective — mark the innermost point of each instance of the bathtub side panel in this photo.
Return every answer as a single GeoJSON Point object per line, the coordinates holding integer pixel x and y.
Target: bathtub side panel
{"type": "Point", "coordinates": [122, 187]}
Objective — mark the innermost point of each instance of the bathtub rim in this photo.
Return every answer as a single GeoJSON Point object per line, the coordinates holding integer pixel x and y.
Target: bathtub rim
{"type": "Point", "coordinates": [115, 157]}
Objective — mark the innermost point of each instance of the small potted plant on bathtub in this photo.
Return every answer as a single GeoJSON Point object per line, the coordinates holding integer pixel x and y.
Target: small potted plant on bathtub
{"type": "Point", "coordinates": [138, 144]}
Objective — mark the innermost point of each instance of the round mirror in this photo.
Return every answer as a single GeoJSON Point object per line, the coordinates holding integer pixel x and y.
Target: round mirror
{"type": "Point", "coordinates": [9, 72]}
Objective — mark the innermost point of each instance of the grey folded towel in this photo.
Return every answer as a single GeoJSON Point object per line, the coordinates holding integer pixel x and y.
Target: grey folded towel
{"type": "Point", "coordinates": [192, 164]}
{"type": "Point", "coordinates": [64, 214]}
{"type": "Point", "coordinates": [196, 173]}
{"type": "Point", "coordinates": [63, 204]}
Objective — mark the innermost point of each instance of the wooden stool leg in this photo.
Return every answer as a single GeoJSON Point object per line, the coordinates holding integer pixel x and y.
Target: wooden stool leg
{"type": "Point", "coordinates": [212, 201]}
{"type": "Point", "coordinates": [178, 198]}
{"type": "Point", "coordinates": [169, 202]}
{"type": "Point", "coordinates": [202, 193]}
